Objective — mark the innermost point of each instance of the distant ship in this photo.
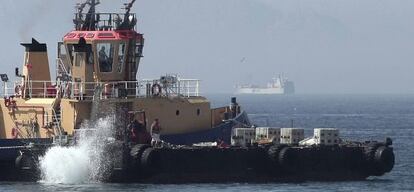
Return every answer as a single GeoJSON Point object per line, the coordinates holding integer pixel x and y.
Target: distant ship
{"type": "Point", "coordinates": [278, 86]}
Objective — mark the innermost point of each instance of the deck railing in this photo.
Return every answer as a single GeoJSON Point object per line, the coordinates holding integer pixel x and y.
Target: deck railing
{"type": "Point", "coordinates": [89, 90]}
{"type": "Point", "coordinates": [106, 21]}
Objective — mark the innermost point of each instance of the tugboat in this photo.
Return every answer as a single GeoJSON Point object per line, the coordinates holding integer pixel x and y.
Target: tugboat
{"type": "Point", "coordinates": [97, 68]}
{"type": "Point", "coordinates": [98, 62]}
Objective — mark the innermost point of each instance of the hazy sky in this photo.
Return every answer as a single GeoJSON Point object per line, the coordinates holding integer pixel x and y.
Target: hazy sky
{"type": "Point", "coordinates": [324, 46]}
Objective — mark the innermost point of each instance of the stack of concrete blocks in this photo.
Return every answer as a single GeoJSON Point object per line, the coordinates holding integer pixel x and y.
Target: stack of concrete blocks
{"type": "Point", "coordinates": [242, 136]}
{"type": "Point", "coordinates": [326, 136]}
{"type": "Point", "coordinates": [291, 135]}
{"type": "Point", "coordinates": [268, 134]}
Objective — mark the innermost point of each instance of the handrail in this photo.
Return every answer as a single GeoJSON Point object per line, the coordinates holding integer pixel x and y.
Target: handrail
{"type": "Point", "coordinates": [60, 67]}
{"type": "Point", "coordinates": [107, 21]}
{"type": "Point", "coordinates": [55, 118]}
{"type": "Point", "coordinates": [113, 89]}
{"type": "Point", "coordinates": [57, 121]}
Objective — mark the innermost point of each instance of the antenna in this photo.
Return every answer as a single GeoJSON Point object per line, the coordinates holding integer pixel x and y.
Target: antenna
{"type": "Point", "coordinates": [129, 20]}
{"type": "Point", "coordinates": [128, 7]}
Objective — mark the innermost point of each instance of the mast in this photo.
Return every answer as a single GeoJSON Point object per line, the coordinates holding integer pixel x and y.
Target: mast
{"type": "Point", "coordinates": [87, 24]}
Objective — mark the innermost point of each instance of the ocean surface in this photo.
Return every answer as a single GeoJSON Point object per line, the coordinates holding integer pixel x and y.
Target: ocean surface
{"type": "Point", "coordinates": [359, 117]}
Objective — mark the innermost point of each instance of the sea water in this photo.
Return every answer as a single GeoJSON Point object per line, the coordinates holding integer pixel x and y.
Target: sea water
{"type": "Point", "coordinates": [359, 117]}
{"type": "Point", "coordinates": [83, 162]}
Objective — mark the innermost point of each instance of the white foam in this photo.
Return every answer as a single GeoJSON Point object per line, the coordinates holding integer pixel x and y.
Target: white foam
{"type": "Point", "coordinates": [81, 163]}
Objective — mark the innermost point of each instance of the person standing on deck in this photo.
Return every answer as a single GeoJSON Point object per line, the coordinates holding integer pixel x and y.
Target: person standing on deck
{"type": "Point", "coordinates": [133, 134]}
{"type": "Point", "coordinates": [155, 132]}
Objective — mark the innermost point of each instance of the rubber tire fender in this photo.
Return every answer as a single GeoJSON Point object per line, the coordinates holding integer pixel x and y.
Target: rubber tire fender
{"type": "Point", "coordinates": [24, 161]}
{"type": "Point", "coordinates": [159, 90]}
{"type": "Point", "coordinates": [150, 160]}
{"type": "Point", "coordinates": [370, 153]}
{"type": "Point", "coordinates": [384, 159]}
{"type": "Point", "coordinates": [274, 152]}
{"type": "Point", "coordinates": [286, 159]}
{"type": "Point", "coordinates": [136, 153]}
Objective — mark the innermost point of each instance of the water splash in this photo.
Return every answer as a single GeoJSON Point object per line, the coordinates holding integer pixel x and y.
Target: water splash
{"type": "Point", "coordinates": [83, 162]}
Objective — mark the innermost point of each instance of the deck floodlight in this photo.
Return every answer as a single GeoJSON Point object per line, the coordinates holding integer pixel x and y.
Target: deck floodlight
{"type": "Point", "coordinates": [4, 77]}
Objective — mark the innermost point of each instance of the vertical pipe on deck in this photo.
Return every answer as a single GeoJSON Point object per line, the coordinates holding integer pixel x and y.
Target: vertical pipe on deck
{"type": "Point", "coordinates": [197, 88]}
{"type": "Point", "coordinates": [44, 90]}
{"type": "Point", "coordinates": [188, 88]}
{"type": "Point", "coordinates": [81, 91]}
{"type": "Point", "coordinates": [5, 89]}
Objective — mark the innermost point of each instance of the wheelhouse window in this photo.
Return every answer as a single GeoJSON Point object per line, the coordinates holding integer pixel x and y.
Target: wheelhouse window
{"type": "Point", "coordinates": [79, 57]}
{"type": "Point", "coordinates": [71, 52]}
{"type": "Point", "coordinates": [79, 53]}
{"type": "Point", "coordinates": [138, 54]}
{"type": "Point", "coordinates": [121, 57]}
{"type": "Point", "coordinates": [105, 56]}
{"type": "Point", "coordinates": [89, 55]}
{"type": "Point", "coordinates": [64, 63]}
{"type": "Point", "coordinates": [62, 50]}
